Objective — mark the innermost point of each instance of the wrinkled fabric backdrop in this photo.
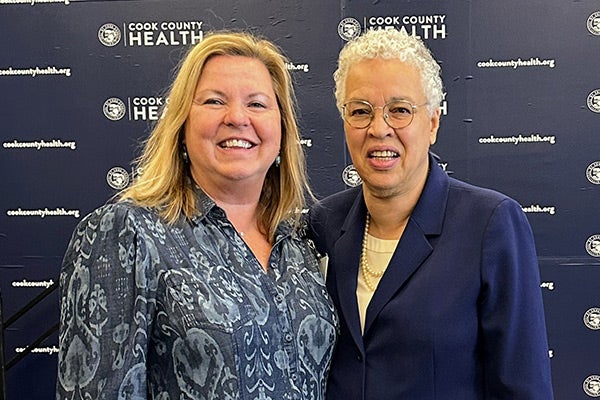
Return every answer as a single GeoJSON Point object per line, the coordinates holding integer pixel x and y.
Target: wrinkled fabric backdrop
{"type": "Point", "coordinates": [82, 82]}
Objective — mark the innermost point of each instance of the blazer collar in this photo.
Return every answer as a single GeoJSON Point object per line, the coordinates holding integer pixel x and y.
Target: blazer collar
{"type": "Point", "coordinates": [430, 210]}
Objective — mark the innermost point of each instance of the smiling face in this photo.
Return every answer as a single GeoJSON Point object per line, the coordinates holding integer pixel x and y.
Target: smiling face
{"type": "Point", "coordinates": [390, 161]}
{"type": "Point", "coordinates": [233, 131]}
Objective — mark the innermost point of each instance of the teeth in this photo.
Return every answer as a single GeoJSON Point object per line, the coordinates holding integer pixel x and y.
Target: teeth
{"type": "Point", "coordinates": [236, 143]}
{"type": "Point", "coordinates": [384, 154]}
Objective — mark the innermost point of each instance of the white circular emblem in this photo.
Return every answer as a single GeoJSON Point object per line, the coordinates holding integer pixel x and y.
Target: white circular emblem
{"type": "Point", "coordinates": [351, 177]}
{"type": "Point", "coordinates": [591, 386]}
{"type": "Point", "coordinates": [593, 23]}
{"type": "Point", "coordinates": [109, 34]}
{"type": "Point", "coordinates": [114, 108]}
{"type": "Point", "coordinates": [117, 178]}
{"type": "Point", "coordinates": [349, 28]}
{"type": "Point", "coordinates": [592, 245]}
{"type": "Point", "coordinates": [593, 172]}
{"type": "Point", "coordinates": [591, 318]}
{"type": "Point", "coordinates": [593, 101]}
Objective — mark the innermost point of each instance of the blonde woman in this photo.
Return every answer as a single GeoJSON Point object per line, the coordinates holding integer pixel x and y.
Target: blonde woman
{"type": "Point", "coordinates": [196, 284]}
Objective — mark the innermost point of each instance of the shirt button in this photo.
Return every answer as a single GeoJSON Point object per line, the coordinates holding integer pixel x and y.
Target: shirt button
{"type": "Point", "coordinates": [288, 337]}
{"type": "Point", "coordinates": [294, 377]}
{"type": "Point", "coordinates": [279, 298]}
{"type": "Point", "coordinates": [359, 357]}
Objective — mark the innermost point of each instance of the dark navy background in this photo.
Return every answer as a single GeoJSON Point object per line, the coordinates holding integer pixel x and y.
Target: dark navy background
{"type": "Point", "coordinates": [479, 103]}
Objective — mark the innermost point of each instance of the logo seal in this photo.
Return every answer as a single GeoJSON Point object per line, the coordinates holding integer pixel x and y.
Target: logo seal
{"type": "Point", "coordinates": [114, 109]}
{"type": "Point", "coordinates": [593, 101]}
{"type": "Point", "coordinates": [351, 177]}
{"type": "Point", "coordinates": [591, 386]}
{"type": "Point", "coordinates": [592, 245]}
{"type": "Point", "coordinates": [348, 29]}
{"type": "Point", "coordinates": [591, 318]}
{"type": "Point", "coordinates": [593, 23]}
{"type": "Point", "coordinates": [117, 178]}
{"type": "Point", "coordinates": [109, 35]}
{"type": "Point", "coordinates": [593, 172]}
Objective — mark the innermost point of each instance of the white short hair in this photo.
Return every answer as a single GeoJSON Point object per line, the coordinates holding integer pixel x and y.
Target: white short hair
{"type": "Point", "coordinates": [390, 44]}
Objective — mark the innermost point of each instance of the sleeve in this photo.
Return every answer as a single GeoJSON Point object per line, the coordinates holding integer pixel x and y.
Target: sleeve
{"type": "Point", "coordinates": [315, 227]}
{"type": "Point", "coordinates": [316, 241]}
{"type": "Point", "coordinates": [515, 348]}
{"type": "Point", "coordinates": [104, 309]}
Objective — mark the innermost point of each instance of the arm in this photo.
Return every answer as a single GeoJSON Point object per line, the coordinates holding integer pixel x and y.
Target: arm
{"type": "Point", "coordinates": [515, 349]}
{"type": "Point", "coordinates": [104, 309]}
{"type": "Point", "coordinates": [315, 227]}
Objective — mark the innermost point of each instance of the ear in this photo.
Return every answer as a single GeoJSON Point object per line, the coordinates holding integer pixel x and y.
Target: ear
{"type": "Point", "coordinates": [434, 126]}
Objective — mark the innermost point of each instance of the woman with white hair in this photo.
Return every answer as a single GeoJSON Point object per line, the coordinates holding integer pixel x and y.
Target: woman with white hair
{"type": "Point", "coordinates": [436, 281]}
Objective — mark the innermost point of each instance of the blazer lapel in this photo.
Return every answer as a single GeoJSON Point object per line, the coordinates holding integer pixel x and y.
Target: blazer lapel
{"type": "Point", "coordinates": [346, 258]}
{"type": "Point", "coordinates": [411, 252]}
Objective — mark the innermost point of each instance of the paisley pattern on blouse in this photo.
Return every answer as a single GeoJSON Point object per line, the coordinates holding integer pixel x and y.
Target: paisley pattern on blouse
{"type": "Point", "coordinates": [185, 311]}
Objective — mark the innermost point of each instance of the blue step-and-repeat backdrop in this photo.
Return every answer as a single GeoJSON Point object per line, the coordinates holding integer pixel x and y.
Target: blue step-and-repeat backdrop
{"type": "Point", "coordinates": [81, 83]}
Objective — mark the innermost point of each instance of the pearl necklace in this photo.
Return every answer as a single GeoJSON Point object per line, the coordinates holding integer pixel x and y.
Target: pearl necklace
{"type": "Point", "coordinates": [367, 272]}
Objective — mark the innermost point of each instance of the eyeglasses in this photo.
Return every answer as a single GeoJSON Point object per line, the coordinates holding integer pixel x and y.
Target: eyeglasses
{"type": "Point", "coordinates": [397, 113]}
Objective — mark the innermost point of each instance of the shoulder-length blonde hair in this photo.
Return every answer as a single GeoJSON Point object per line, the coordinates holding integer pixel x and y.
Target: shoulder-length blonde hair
{"type": "Point", "coordinates": [162, 183]}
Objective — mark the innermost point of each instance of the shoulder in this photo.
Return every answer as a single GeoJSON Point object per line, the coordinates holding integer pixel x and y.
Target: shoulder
{"type": "Point", "coordinates": [326, 217]}
{"type": "Point", "coordinates": [498, 214]}
{"type": "Point", "coordinates": [110, 224]}
{"type": "Point", "coordinates": [479, 198]}
{"type": "Point", "coordinates": [110, 217]}
{"type": "Point", "coordinates": [333, 210]}
{"type": "Point", "coordinates": [337, 203]}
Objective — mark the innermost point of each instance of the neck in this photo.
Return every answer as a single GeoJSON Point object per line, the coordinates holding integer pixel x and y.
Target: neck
{"type": "Point", "coordinates": [230, 191]}
{"type": "Point", "coordinates": [390, 211]}
{"type": "Point", "coordinates": [241, 208]}
{"type": "Point", "coordinates": [243, 216]}
{"type": "Point", "coordinates": [389, 216]}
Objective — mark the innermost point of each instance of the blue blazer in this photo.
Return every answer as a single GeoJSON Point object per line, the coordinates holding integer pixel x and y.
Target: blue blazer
{"type": "Point", "coordinates": [458, 315]}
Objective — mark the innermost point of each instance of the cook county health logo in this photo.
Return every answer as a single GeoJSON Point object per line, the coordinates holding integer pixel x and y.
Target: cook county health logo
{"type": "Point", "coordinates": [593, 101]}
{"type": "Point", "coordinates": [152, 33]}
{"type": "Point", "coordinates": [138, 108]}
{"type": "Point", "coordinates": [421, 26]}
{"type": "Point", "coordinates": [591, 318]}
{"type": "Point", "coordinates": [117, 178]}
{"type": "Point", "coordinates": [592, 172]}
{"type": "Point", "coordinates": [114, 109]}
{"type": "Point", "coordinates": [350, 176]}
{"type": "Point", "coordinates": [109, 35]}
{"type": "Point", "coordinates": [593, 23]}
{"type": "Point", "coordinates": [591, 386]}
{"type": "Point", "coordinates": [349, 28]}
{"type": "Point", "coordinates": [592, 246]}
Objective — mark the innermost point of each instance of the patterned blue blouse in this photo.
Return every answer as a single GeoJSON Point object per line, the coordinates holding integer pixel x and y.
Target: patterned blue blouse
{"type": "Point", "coordinates": [185, 311]}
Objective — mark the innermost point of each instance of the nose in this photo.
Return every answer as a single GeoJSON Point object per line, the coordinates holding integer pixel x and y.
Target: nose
{"type": "Point", "coordinates": [236, 115]}
{"type": "Point", "coordinates": [379, 126]}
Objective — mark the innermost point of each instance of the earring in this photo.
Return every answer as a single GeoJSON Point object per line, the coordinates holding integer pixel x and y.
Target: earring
{"type": "Point", "coordinates": [184, 154]}
{"type": "Point", "coordinates": [278, 160]}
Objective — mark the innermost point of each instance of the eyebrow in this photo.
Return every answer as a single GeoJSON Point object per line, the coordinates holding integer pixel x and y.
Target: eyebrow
{"type": "Point", "coordinates": [403, 98]}
{"type": "Point", "coordinates": [393, 98]}
{"type": "Point", "coordinates": [220, 93]}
